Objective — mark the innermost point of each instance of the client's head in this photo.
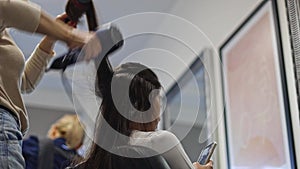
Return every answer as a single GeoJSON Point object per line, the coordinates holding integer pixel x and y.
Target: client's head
{"type": "Point", "coordinates": [131, 99]}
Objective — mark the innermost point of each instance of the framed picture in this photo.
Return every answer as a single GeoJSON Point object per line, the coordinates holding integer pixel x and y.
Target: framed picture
{"type": "Point", "coordinates": [257, 116]}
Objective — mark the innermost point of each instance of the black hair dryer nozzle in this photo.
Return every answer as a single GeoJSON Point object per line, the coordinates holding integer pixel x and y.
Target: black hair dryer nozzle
{"type": "Point", "coordinates": [111, 40]}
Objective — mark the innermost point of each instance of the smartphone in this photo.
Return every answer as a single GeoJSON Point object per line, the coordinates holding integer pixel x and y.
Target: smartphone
{"type": "Point", "coordinates": [206, 153]}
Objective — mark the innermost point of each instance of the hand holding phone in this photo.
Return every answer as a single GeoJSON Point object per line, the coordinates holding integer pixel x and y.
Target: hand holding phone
{"type": "Point", "coordinates": [206, 153]}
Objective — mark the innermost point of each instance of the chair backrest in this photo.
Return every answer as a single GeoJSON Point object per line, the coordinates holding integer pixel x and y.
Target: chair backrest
{"type": "Point", "coordinates": [137, 157]}
{"type": "Point", "coordinates": [48, 152]}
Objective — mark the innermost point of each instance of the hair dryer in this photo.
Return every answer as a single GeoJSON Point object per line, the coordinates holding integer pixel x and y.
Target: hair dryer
{"type": "Point", "coordinates": [109, 35]}
{"type": "Point", "coordinates": [76, 8]}
{"type": "Point", "coordinates": [111, 40]}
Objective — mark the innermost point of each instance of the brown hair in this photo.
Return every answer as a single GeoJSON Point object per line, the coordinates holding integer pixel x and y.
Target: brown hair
{"type": "Point", "coordinates": [142, 84]}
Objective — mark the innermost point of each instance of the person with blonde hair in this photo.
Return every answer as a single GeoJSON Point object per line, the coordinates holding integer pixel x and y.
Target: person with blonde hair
{"type": "Point", "coordinates": [60, 147]}
{"type": "Point", "coordinates": [69, 128]}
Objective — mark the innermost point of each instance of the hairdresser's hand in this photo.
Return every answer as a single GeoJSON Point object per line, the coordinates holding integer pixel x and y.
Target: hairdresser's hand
{"type": "Point", "coordinates": [79, 38]}
{"type": "Point", "coordinates": [209, 165]}
{"type": "Point", "coordinates": [92, 49]}
{"type": "Point", "coordinates": [65, 18]}
{"type": "Point", "coordinates": [92, 46]}
{"type": "Point", "coordinates": [62, 18]}
{"type": "Point", "coordinates": [75, 37]}
{"type": "Point", "coordinates": [59, 30]}
{"type": "Point", "coordinates": [48, 42]}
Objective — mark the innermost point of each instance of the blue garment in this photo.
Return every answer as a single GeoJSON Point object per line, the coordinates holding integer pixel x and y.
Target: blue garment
{"type": "Point", "coordinates": [31, 153]}
{"type": "Point", "coordinates": [30, 150]}
{"type": "Point", "coordinates": [60, 161]}
{"type": "Point", "coordinates": [10, 142]}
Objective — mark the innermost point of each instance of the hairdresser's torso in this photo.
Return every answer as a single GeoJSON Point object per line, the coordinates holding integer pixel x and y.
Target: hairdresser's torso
{"type": "Point", "coordinates": [11, 67]}
{"type": "Point", "coordinates": [15, 77]}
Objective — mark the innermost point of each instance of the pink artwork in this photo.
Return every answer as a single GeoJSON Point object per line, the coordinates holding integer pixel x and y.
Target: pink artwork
{"type": "Point", "coordinates": [255, 113]}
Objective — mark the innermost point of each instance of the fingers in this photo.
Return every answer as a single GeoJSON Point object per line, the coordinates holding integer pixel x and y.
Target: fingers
{"type": "Point", "coordinates": [72, 23]}
{"type": "Point", "coordinates": [65, 18]}
{"type": "Point", "coordinates": [197, 165]}
{"type": "Point", "coordinates": [67, 26]}
{"type": "Point", "coordinates": [75, 38]}
{"type": "Point", "coordinates": [209, 165]}
{"type": "Point", "coordinates": [62, 16]}
{"type": "Point", "coordinates": [92, 49]}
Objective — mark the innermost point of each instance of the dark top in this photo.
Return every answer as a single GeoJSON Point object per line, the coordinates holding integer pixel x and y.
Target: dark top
{"type": "Point", "coordinates": [31, 153]}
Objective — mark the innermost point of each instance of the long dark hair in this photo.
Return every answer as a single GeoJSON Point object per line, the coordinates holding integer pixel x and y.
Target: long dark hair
{"type": "Point", "coordinates": [142, 82]}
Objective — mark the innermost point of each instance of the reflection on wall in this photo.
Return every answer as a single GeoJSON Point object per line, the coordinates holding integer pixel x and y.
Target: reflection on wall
{"type": "Point", "coordinates": [186, 121]}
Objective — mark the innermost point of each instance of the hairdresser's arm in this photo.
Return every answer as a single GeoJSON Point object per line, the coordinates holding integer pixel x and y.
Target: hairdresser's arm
{"type": "Point", "coordinates": [38, 61]}
{"type": "Point", "coordinates": [36, 64]}
{"type": "Point", "coordinates": [29, 17]}
{"type": "Point", "coordinates": [60, 31]}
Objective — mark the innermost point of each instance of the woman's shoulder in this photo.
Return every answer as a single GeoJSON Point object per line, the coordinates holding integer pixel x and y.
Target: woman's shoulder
{"type": "Point", "coordinates": [164, 136]}
{"type": "Point", "coordinates": [158, 135]}
{"type": "Point", "coordinates": [160, 140]}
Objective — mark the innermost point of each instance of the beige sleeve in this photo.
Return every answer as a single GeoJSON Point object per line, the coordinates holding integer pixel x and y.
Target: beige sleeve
{"type": "Point", "coordinates": [19, 14]}
{"type": "Point", "coordinates": [34, 69]}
